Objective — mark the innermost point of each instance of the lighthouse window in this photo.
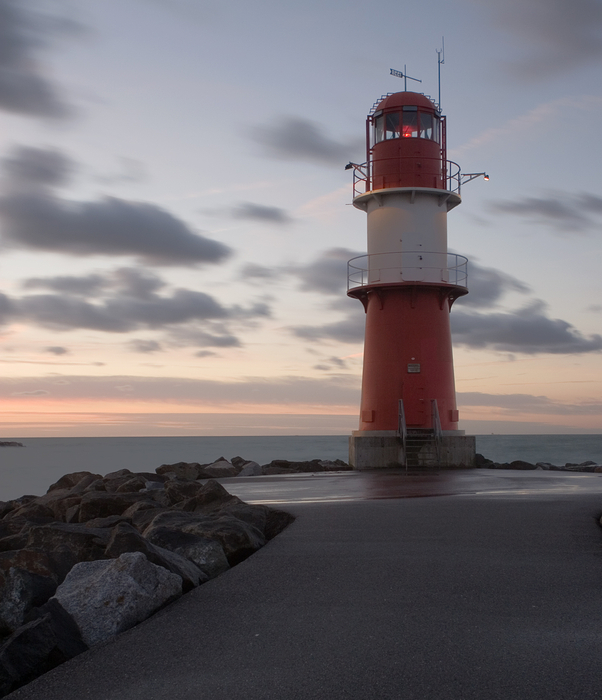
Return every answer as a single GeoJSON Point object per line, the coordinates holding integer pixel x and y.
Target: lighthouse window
{"type": "Point", "coordinates": [436, 129]}
{"type": "Point", "coordinates": [410, 124]}
{"type": "Point", "coordinates": [426, 125]}
{"type": "Point", "coordinates": [392, 131]}
{"type": "Point", "coordinates": [379, 127]}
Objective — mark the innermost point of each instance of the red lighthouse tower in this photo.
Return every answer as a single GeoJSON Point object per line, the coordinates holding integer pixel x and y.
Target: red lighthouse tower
{"type": "Point", "coordinates": [407, 284]}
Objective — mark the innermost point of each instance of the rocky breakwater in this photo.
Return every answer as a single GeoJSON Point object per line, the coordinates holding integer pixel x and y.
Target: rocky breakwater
{"type": "Point", "coordinates": [588, 466]}
{"type": "Point", "coordinates": [238, 466]}
{"type": "Point", "coordinates": [96, 555]}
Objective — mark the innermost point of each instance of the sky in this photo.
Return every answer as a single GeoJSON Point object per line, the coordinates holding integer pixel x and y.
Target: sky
{"type": "Point", "coordinates": [176, 219]}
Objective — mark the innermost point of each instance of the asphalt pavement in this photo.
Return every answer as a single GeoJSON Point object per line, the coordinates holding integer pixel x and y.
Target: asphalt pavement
{"type": "Point", "coordinates": [457, 586]}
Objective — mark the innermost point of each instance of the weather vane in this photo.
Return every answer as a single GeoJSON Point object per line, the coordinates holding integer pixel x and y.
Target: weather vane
{"type": "Point", "coordinates": [405, 76]}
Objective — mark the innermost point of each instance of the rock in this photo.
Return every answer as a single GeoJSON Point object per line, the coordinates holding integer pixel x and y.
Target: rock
{"type": "Point", "coordinates": [520, 464]}
{"type": "Point", "coordinates": [118, 474]}
{"type": "Point", "coordinates": [283, 466]}
{"type": "Point", "coordinates": [184, 470]}
{"type": "Point", "coordinates": [98, 504]}
{"type": "Point", "coordinates": [106, 598]}
{"type": "Point", "coordinates": [210, 497]}
{"type": "Point", "coordinates": [11, 443]}
{"type": "Point", "coordinates": [237, 538]}
{"type": "Point", "coordinates": [141, 517]}
{"type": "Point", "coordinates": [250, 469]}
{"type": "Point", "coordinates": [53, 505]}
{"type": "Point", "coordinates": [125, 481]}
{"type": "Point", "coordinates": [8, 507]}
{"type": "Point", "coordinates": [67, 544]}
{"type": "Point", "coordinates": [207, 554]}
{"type": "Point", "coordinates": [26, 580]}
{"type": "Point", "coordinates": [34, 512]}
{"type": "Point", "coordinates": [276, 522]}
{"type": "Point", "coordinates": [219, 469]}
{"type": "Point", "coordinates": [69, 641]}
{"type": "Point", "coordinates": [27, 653]}
{"type": "Point", "coordinates": [136, 483]}
{"type": "Point", "coordinates": [109, 522]}
{"type": "Point", "coordinates": [179, 490]}
{"type": "Point", "coordinates": [481, 461]}
{"type": "Point", "coordinates": [255, 515]}
{"type": "Point", "coordinates": [125, 538]}
{"type": "Point", "coordinates": [68, 481]}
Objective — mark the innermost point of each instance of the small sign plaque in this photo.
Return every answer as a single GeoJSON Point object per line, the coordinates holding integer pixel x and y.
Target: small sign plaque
{"type": "Point", "coordinates": [413, 368]}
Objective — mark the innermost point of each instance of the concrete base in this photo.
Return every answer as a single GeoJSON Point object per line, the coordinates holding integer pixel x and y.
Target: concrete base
{"type": "Point", "coordinates": [381, 449]}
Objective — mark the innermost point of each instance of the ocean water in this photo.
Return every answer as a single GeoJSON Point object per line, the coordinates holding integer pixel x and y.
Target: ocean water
{"type": "Point", "coordinates": [32, 468]}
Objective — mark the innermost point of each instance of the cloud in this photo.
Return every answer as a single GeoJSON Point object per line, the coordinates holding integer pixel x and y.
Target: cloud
{"type": "Point", "coordinates": [260, 212]}
{"type": "Point", "coordinates": [252, 271]}
{"type": "Point", "coordinates": [6, 308]}
{"type": "Point", "coordinates": [25, 87]}
{"type": "Point", "coordinates": [528, 330]}
{"type": "Point", "coordinates": [327, 273]}
{"type": "Point", "coordinates": [331, 363]}
{"type": "Point", "coordinates": [145, 346]}
{"type": "Point", "coordinates": [56, 350]}
{"type": "Point", "coordinates": [127, 300]}
{"type": "Point", "coordinates": [34, 217]}
{"type": "Point", "coordinates": [218, 337]}
{"type": "Point", "coordinates": [333, 390]}
{"type": "Point", "coordinates": [487, 286]}
{"type": "Point", "coordinates": [557, 35]}
{"type": "Point", "coordinates": [348, 330]}
{"type": "Point", "coordinates": [119, 314]}
{"type": "Point", "coordinates": [528, 403]}
{"type": "Point", "coordinates": [294, 138]}
{"type": "Point", "coordinates": [562, 211]}
{"type": "Point", "coordinates": [30, 167]}
{"type": "Point", "coordinates": [89, 284]}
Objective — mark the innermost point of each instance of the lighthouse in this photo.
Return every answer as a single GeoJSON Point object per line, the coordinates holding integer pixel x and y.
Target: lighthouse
{"type": "Point", "coordinates": [407, 284]}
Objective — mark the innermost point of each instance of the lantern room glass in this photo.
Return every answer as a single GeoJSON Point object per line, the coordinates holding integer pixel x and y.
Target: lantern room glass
{"type": "Point", "coordinates": [392, 129]}
{"type": "Point", "coordinates": [410, 125]}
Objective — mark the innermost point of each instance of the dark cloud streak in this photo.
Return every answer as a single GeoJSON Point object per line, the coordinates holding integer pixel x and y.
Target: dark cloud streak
{"type": "Point", "coordinates": [25, 88]}
{"type": "Point", "coordinates": [260, 212]}
{"type": "Point", "coordinates": [558, 35]}
{"type": "Point", "coordinates": [564, 212]}
{"type": "Point", "coordinates": [34, 217]}
{"type": "Point", "coordinates": [528, 330]}
{"type": "Point", "coordinates": [294, 138]}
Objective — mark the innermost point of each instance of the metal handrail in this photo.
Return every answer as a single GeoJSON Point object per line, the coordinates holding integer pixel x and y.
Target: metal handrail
{"type": "Point", "coordinates": [437, 432]}
{"type": "Point", "coordinates": [361, 273]}
{"type": "Point", "coordinates": [453, 176]}
{"type": "Point", "coordinates": [402, 431]}
{"type": "Point", "coordinates": [361, 177]}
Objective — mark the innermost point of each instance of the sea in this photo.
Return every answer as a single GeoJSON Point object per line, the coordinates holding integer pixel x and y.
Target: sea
{"type": "Point", "coordinates": [31, 469]}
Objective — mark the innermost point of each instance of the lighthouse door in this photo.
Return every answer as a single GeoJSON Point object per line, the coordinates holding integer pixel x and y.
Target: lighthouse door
{"type": "Point", "coordinates": [420, 406]}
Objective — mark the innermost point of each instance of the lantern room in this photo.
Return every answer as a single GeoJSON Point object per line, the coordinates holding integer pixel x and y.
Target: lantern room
{"type": "Point", "coordinates": [406, 144]}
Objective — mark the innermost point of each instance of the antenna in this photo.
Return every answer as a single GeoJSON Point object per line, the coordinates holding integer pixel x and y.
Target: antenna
{"type": "Point", "coordinates": [405, 76]}
{"type": "Point", "coordinates": [440, 62]}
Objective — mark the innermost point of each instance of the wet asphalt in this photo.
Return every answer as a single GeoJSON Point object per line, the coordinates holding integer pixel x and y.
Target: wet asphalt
{"type": "Point", "coordinates": [457, 586]}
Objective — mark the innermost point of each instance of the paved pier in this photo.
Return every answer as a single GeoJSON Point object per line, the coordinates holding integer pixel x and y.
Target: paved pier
{"type": "Point", "coordinates": [471, 585]}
